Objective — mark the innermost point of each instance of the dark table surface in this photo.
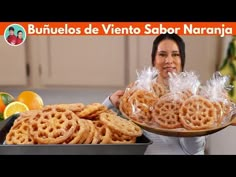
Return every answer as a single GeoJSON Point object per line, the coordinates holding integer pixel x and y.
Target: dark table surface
{"type": "Point", "coordinates": [2, 123]}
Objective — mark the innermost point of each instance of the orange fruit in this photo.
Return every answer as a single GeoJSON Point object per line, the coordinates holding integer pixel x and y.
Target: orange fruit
{"type": "Point", "coordinates": [13, 108]}
{"type": "Point", "coordinates": [5, 99]}
{"type": "Point", "coordinates": [31, 99]}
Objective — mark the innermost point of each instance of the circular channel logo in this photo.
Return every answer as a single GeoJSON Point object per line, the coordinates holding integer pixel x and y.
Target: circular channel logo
{"type": "Point", "coordinates": [15, 34]}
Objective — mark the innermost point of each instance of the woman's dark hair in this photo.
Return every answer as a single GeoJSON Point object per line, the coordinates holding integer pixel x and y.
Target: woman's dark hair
{"type": "Point", "coordinates": [11, 28]}
{"type": "Point", "coordinates": [179, 41]}
{"type": "Point", "coordinates": [19, 31]}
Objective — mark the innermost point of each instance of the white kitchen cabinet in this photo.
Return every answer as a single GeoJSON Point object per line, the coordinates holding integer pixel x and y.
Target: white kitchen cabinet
{"type": "Point", "coordinates": [82, 60]}
{"type": "Point", "coordinates": [12, 65]}
{"type": "Point", "coordinates": [95, 60]}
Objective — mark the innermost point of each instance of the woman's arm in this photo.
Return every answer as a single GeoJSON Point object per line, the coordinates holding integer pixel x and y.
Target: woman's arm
{"type": "Point", "coordinates": [107, 102]}
{"type": "Point", "coordinates": [113, 101]}
{"type": "Point", "coordinates": [193, 145]}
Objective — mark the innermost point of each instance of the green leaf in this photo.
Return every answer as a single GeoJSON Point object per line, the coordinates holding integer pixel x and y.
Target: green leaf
{"type": "Point", "coordinates": [233, 68]}
{"type": "Point", "coordinates": [224, 64]}
{"type": "Point", "coordinates": [6, 99]}
{"type": "Point", "coordinates": [232, 49]}
{"type": "Point", "coordinates": [1, 116]}
{"type": "Point", "coordinates": [234, 42]}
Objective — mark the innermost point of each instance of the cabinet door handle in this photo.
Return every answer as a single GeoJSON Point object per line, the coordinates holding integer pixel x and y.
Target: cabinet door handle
{"type": "Point", "coordinates": [27, 69]}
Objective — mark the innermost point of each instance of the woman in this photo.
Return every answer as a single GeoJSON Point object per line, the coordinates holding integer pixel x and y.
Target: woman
{"type": "Point", "coordinates": [19, 38]}
{"type": "Point", "coordinates": [168, 55]}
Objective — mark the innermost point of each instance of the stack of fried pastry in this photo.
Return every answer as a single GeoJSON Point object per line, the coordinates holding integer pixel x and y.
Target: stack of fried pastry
{"type": "Point", "coordinates": [137, 103]}
{"type": "Point", "coordinates": [174, 110]}
{"type": "Point", "coordinates": [192, 113]}
{"type": "Point", "coordinates": [72, 124]}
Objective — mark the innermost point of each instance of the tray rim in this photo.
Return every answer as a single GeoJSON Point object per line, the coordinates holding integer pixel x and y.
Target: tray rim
{"type": "Point", "coordinates": [9, 122]}
{"type": "Point", "coordinates": [181, 132]}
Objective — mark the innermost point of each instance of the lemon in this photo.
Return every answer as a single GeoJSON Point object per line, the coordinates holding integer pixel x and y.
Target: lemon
{"type": "Point", "coordinates": [13, 108]}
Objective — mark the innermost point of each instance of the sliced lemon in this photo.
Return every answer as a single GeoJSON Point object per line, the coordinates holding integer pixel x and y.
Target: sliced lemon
{"type": "Point", "coordinates": [13, 108]}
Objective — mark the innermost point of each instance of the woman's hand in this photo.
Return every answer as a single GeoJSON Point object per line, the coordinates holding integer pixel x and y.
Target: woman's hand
{"type": "Point", "coordinates": [115, 98]}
